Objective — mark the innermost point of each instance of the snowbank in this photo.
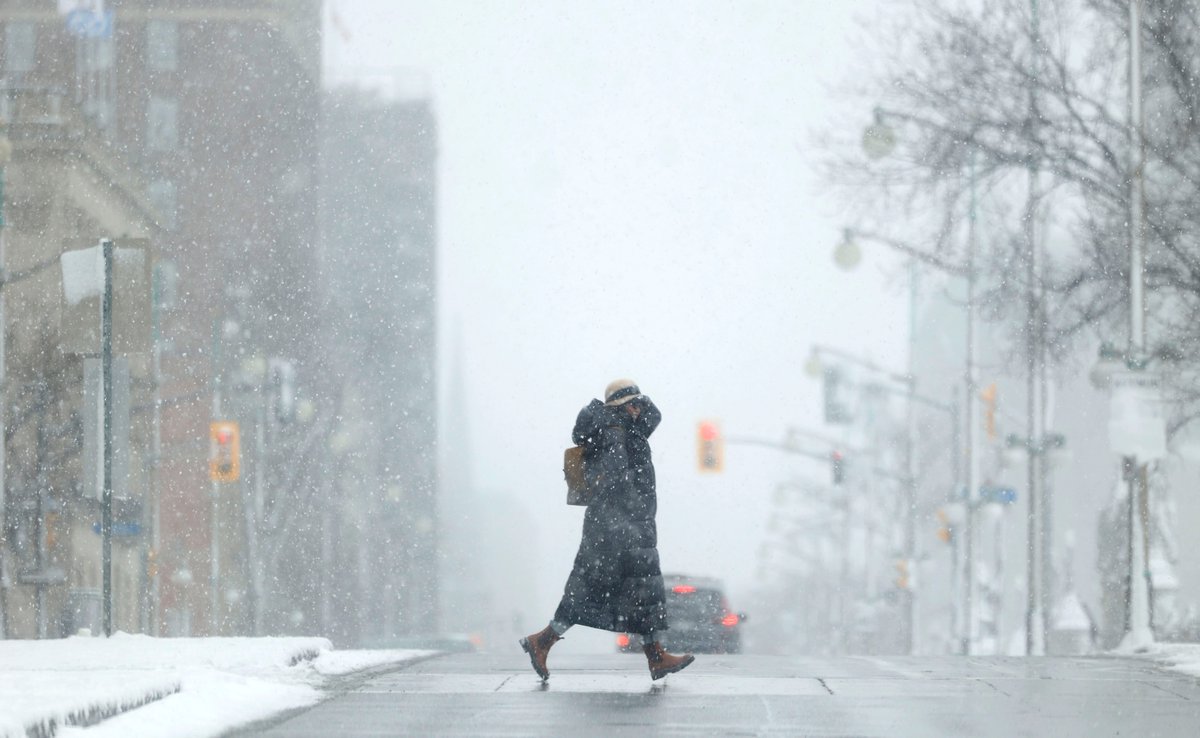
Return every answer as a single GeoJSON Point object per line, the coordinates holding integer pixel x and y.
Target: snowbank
{"type": "Point", "coordinates": [1181, 657]}
{"type": "Point", "coordinates": [134, 685]}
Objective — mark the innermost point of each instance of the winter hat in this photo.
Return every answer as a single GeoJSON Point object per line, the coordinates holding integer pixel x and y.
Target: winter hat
{"type": "Point", "coordinates": [621, 391]}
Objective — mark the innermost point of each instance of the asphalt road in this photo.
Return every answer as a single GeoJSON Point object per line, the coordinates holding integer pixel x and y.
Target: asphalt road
{"type": "Point", "coordinates": [611, 694]}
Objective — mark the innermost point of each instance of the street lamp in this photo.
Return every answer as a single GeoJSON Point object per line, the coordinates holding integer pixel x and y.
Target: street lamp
{"type": "Point", "coordinates": [5, 156]}
{"type": "Point", "coordinates": [847, 255]}
{"type": "Point", "coordinates": [878, 140]}
{"type": "Point", "coordinates": [1136, 447]}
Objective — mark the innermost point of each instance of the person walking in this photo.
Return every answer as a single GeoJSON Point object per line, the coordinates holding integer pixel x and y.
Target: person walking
{"type": "Point", "coordinates": [616, 583]}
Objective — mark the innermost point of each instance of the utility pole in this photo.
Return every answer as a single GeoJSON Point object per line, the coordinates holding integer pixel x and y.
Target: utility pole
{"type": "Point", "coordinates": [1035, 618]}
{"type": "Point", "coordinates": [157, 287]}
{"type": "Point", "coordinates": [911, 632]}
{"type": "Point", "coordinates": [256, 515]}
{"type": "Point", "coordinates": [214, 576]}
{"type": "Point", "coordinates": [5, 153]}
{"type": "Point", "coordinates": [972, 426]}
{"type": "Point", "coordinates": [106, 517]}
{"type": "Point", "coordinates": [1139, 629]}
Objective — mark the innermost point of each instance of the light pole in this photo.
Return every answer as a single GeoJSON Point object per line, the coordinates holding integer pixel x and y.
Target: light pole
{"type": "Point", "coordinates": [1139, 628]}
{"type": "Point", "coordinates": [1035, 614]}
{"type": "Point", "coordinates": [5, 155]}
{"type": "Point", "coordinates": [214, 572]}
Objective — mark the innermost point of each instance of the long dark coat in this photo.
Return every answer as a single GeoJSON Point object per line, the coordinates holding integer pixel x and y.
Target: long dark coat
{"type": "Point", "coordinates": [616, 583]}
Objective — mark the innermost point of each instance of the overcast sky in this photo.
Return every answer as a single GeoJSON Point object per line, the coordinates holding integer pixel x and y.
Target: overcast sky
{"type": "Point", "coordinates": [628, 189]}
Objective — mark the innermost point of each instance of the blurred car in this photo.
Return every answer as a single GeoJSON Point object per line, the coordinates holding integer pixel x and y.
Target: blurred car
{"type": "Point", "coordinates": [699, 618]}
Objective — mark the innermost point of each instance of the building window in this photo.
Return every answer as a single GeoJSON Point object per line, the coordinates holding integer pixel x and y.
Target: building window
{"type": "Point", "coordinates": [162, 196]}
{"type": "Point", "coordinates": [162, 125]}
{"type": "Point", "coordinates": [20, 47]}
{"type": "Point", "coordinates": [162, 45]}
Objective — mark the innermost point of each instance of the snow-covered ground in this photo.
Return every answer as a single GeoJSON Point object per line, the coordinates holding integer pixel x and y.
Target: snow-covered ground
{"type": "Point", "coordinates": [134, 685]}
{"type": "Point", "coordinates": [1181, 657]}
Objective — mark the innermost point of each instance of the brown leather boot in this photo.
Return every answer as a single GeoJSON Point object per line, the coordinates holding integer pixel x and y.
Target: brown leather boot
{"type": "Point", "coordinates": [538, 647]}
{"type": "Point", "coordinates": [662, 663]}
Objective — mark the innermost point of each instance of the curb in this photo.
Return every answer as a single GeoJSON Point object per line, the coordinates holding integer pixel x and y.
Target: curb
{"type": "Point", "coordinates": [93, 714]}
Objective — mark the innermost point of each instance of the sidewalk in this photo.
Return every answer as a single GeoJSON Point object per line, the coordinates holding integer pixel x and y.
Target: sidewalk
{"type": "Point", "coordinates": [134, 685]}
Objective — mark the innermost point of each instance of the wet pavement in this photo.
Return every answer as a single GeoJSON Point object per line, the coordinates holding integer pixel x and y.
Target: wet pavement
{"type": "Point", "coordinates": [611, 694]}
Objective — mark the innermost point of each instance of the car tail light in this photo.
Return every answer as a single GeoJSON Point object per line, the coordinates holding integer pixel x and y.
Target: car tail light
{"type": "Point", "coordinates": [623, 640]}
{"type": "Point", "coordinates": [683, 589]}
{"type": "Point", "coordinates": [730, 620]}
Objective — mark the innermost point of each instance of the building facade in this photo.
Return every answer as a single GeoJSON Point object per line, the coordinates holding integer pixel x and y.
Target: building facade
{"type": "Point", "coordinates": [379, 248]}
{"type": "Point", "coordinates": [65, 187]}
{"type": "Point", "coordinates": [215, 106]}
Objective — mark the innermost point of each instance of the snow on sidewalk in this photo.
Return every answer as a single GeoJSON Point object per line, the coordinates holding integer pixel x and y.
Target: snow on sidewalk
{"type": "Point", "coordinates": [179, 686]}
{"type": "Point", "coordinates": [1181, 657]}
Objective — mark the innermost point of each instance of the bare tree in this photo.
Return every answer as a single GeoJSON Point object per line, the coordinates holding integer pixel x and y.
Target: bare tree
{"type": "Point", "coordinates": [974, 86]}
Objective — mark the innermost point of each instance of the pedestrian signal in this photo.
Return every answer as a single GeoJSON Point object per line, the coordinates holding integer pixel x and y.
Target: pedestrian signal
{"type": "Point", "coordinates": [710, 447]}
{"type": "Point", "coordinates": [224, 451]}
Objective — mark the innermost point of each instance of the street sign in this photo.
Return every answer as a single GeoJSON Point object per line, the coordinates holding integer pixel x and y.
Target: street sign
{"type": "Point", "coordinates": [121, 530]}
{"type": "Point", "coordinates": [44, 576]}
{"type": "Point", "coordinates": [92, 415]}
{"type": "Point", "coordinates": [836, 411]}
{"type": "Point", "coordinates": [998, 495]}
{"type": "Point", "coordinates": [83, 286]}
{"type": "Point", "coordinates": [1137, 422]}
{"type": "Point", "coordinates": [66, 7]}
{"type": "Point", "coordinates": [89, 24]}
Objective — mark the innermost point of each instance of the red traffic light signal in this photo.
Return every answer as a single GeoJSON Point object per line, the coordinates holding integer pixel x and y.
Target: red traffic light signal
{"type": "Point", "coordinates": [710, 447]}
{"type": "Point", "coordinates": [837, 464]}
{"type": "Point", "coordinates": [224, 458]}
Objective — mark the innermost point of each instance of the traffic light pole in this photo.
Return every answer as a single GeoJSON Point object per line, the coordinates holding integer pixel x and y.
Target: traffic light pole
{"type": "Point", "coordinates": [214, 577]}
{"type": "Point", "coordinates": [5, 148]}
{"type": "Point", "coordinates": [106, 517]}
{"type": "Point", "coordinates": [1035, 614]}
{"type": "Point", "coordinates": [824, 458]}
{"type": "Point", "coordinates": [972, 428]}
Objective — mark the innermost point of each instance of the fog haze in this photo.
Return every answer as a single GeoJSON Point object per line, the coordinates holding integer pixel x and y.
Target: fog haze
{"type": "Point", "coordinates": [630, 190]}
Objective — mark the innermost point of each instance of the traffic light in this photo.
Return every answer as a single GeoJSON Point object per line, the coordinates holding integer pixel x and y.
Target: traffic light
{"type": "Point", "coordinates": [988, 395]}
{"type": "Point", "coordinates": [710, 447]}
{"type": "Point", "coordinates": [902, 574]}
{"type": "Point", "coordinates": [945, 532]}
{"type": "Point", "coordinates": [837, 465]}
{"type": "Point", "coordinates": [224, 451]}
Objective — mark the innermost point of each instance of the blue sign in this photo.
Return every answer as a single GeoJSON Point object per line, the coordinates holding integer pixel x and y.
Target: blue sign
{"type": "Point", "coordinates": [998, 495]}
{"type": "Point", "coordinates": [87, 23]}
{"type": "Point", "coordinates": [121, 530]}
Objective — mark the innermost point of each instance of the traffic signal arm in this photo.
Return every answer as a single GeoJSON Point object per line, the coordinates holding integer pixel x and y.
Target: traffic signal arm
{"type": "Point", "coordinates": [824, 458]}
